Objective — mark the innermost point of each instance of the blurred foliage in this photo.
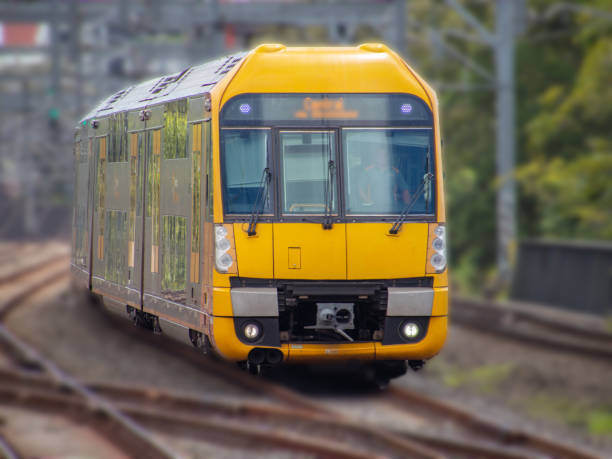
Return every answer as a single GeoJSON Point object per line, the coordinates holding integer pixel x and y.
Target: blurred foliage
{"type": "Point", "coordinates": [485, 378]}
{"type": "Point", "coordinates": [595, 419]}
{"type": "Point", "coordinates": [564, 115]}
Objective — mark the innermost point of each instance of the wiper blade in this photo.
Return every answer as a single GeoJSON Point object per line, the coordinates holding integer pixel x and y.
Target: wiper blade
{"type": "Point", "coordinates": [264, 183]}
{"type": "Point", "coordinates": [397, 224]}
{"type": "Point", "coordinates": [329, 195]}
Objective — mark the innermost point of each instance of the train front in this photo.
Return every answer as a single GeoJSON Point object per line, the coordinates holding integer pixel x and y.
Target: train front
{"type": "Point", "coordinates": [330, 241]}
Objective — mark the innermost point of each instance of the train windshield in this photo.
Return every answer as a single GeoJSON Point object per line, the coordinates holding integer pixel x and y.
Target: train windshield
{"type": "Point", "coordinates": [297, 155]}
{"type": "Point", "coordinates": [246, 156]}
{"type": "Point", "coordinates": [387, 170]}
{"type": "Point", "coordinates": [305, 163]}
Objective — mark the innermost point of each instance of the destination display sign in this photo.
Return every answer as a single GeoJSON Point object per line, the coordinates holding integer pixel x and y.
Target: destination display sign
{"type": "Point", "coordinates": [317, 109]}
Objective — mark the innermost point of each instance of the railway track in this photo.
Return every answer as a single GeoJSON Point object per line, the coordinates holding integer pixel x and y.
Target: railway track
{"type": "Point", "coordinates": [485, 434]}
{"type": "Point", "coordinates": [471, 437]}
{"type": "Point", "coordinates": [536, 324]}
{"type": "Point", "coordinates": [56, 392]}
{"type": "Point", "coordinates": [294, 422]}
{"type": "Point", "coordinates": [18, 283]}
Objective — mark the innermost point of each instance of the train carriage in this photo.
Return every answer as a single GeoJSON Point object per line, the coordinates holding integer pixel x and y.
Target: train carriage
{"type": "Point", "coordinates": [280, 205]}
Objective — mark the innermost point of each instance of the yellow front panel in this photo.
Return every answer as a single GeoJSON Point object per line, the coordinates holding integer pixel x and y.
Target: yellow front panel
{"type": "Point", "coordinates": [332, 351]}
{"type": "Point", "coordinates": [322, 252]}
{"type": "Point", "coordinates": [374, 254]}
{"type": "Point", "coordinates": [222, 302]}
{"type": "Point", "coordinates": [254, 253]}
{"type": "Point", "coordinates": [440, 302]}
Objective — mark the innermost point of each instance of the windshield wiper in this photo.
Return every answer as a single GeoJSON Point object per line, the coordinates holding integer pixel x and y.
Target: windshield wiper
{"type": "Point", "coordinates": [427, 189]}
{"type": "Point", "coordinates": [397, 224]}
{"type": "Point", "coordinates": [329, 196]}
{"type": "Point", "coordinates": [264, 183]}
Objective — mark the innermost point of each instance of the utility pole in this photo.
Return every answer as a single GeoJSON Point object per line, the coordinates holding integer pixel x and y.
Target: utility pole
{"type": "Point", "coordinates": [508, 18]}
{"type": "Point", "coordinates": [505, 139]}
{"type": "Point", "coordinates": [75, 20]}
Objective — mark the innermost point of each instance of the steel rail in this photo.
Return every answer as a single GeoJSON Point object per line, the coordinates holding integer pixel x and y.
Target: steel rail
{"type": "Point", "coordinates": [418, 443]}
{"type": "Point", "coordinates": [180, 423]}
{"type": "Point", "coordinates": [140, 439]}
{"type": "Point", "coordinates": [29, 288]}
{"type": "Point", "coordinates": [33, 263]}
{"type": "Point", "coordinates": [532, 327]}
{"type": "Point", "coordinates": [278, 426]}
{"type": "Point", "coordinates": [29, 356]}
{"type": "Point", "coordinates": [503, 435]}
{"type": "Point", "coordinates": [237, 377]}
{"type": "Point", "coordinates": [7, 450]}
{"type": "Point", "coordinates": [497, 445]}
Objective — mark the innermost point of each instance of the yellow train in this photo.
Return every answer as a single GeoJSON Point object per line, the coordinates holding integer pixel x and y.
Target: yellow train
{"type": "Point", "coordinates": [280, 205]}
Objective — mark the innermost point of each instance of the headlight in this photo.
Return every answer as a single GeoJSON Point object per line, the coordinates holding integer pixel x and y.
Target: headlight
{"type": "Point", "coordinates": [437, 249]}
{"type": "Point", "coordinates": [251, 331]}
{"type": "Point", "coordinates": [220, 232]}
{"type": "Point", "coordinates": [410, 330]}
{"type": "Point", "coordinates": [438, 244]}
{"type": "Point", "coordinates": [223, 260]}
{"type": "Point", "coordinates": [223, 245]}
{"type": "Point", "coordinates": [438, 261]}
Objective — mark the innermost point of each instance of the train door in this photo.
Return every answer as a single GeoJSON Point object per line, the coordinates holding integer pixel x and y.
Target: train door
{"type": "Point", "coordinates": [139, 144]}
{"type": "Point", "coordinates": [99, 202]}
{"type": "Point", "coordinates": [91, 200]}
{"type": "Point", "coordinates": [150, 235]}
{"type": "Point", "coordinates": [197, 134]}
{"type": "Point", "coordinates": [207, 249]}
{"type": "Point", "coordinates": [305, 247]}
{"type": "Point", "coordinates": [81, 222]}
{"type": "Point", "coordinates": [175, 205]}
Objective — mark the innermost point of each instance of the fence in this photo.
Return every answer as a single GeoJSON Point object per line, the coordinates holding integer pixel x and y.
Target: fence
{"type": "Point", "coordinates": [573, 275]}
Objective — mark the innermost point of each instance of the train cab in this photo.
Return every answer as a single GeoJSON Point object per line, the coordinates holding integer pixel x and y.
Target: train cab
{"type": "Point", "coordinates": [330, 241]}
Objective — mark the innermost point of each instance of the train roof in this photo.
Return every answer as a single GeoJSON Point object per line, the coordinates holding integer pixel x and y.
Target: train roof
{"type": "Point", "coordinates": [192, 81]}
{"type": "Point", "coordinates": [276, 68]}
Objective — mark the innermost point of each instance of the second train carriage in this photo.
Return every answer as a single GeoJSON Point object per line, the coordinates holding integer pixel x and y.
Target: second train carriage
{"type": "Point", "coordinates": [284, 204]}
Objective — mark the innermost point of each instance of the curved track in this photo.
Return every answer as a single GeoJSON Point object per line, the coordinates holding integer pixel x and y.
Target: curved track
{"type": "Point", "coordinates": [471, 437]}
{"type": "Point", "coordinates": [17, 284]}
{"type": "Point", "coordinates": [296, 423]}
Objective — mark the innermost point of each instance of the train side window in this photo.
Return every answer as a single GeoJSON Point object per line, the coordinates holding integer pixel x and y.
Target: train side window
{"type": "Point", "coordinates": [114, 251]}
{"type": "Point", "coordinates": [81, 185]}
{"type": "Point", "coordinates": [174, 266]}
{"type": "Point", "coordinates": [134, 160]}
{"type": "Point", "coordinates": [175, 130]}
{"type": "Point", "coordinates": [153, 190]}
{"type": "Point", "coordinates": [118, 141]}
{"type": "Point", "coordinates": [101, 193]}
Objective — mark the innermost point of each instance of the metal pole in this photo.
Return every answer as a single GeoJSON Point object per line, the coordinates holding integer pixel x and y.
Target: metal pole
{"type": "Point", "coordinates": [75, 17]}
{"type": "Point", "coordinates": [505, 148]}
{"type": "Point", "coordinates": [55, 54]}
{"type": "Point", "coordinates": [27, 166]}
{"type": "Point", "coordinates": [399, 40]}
